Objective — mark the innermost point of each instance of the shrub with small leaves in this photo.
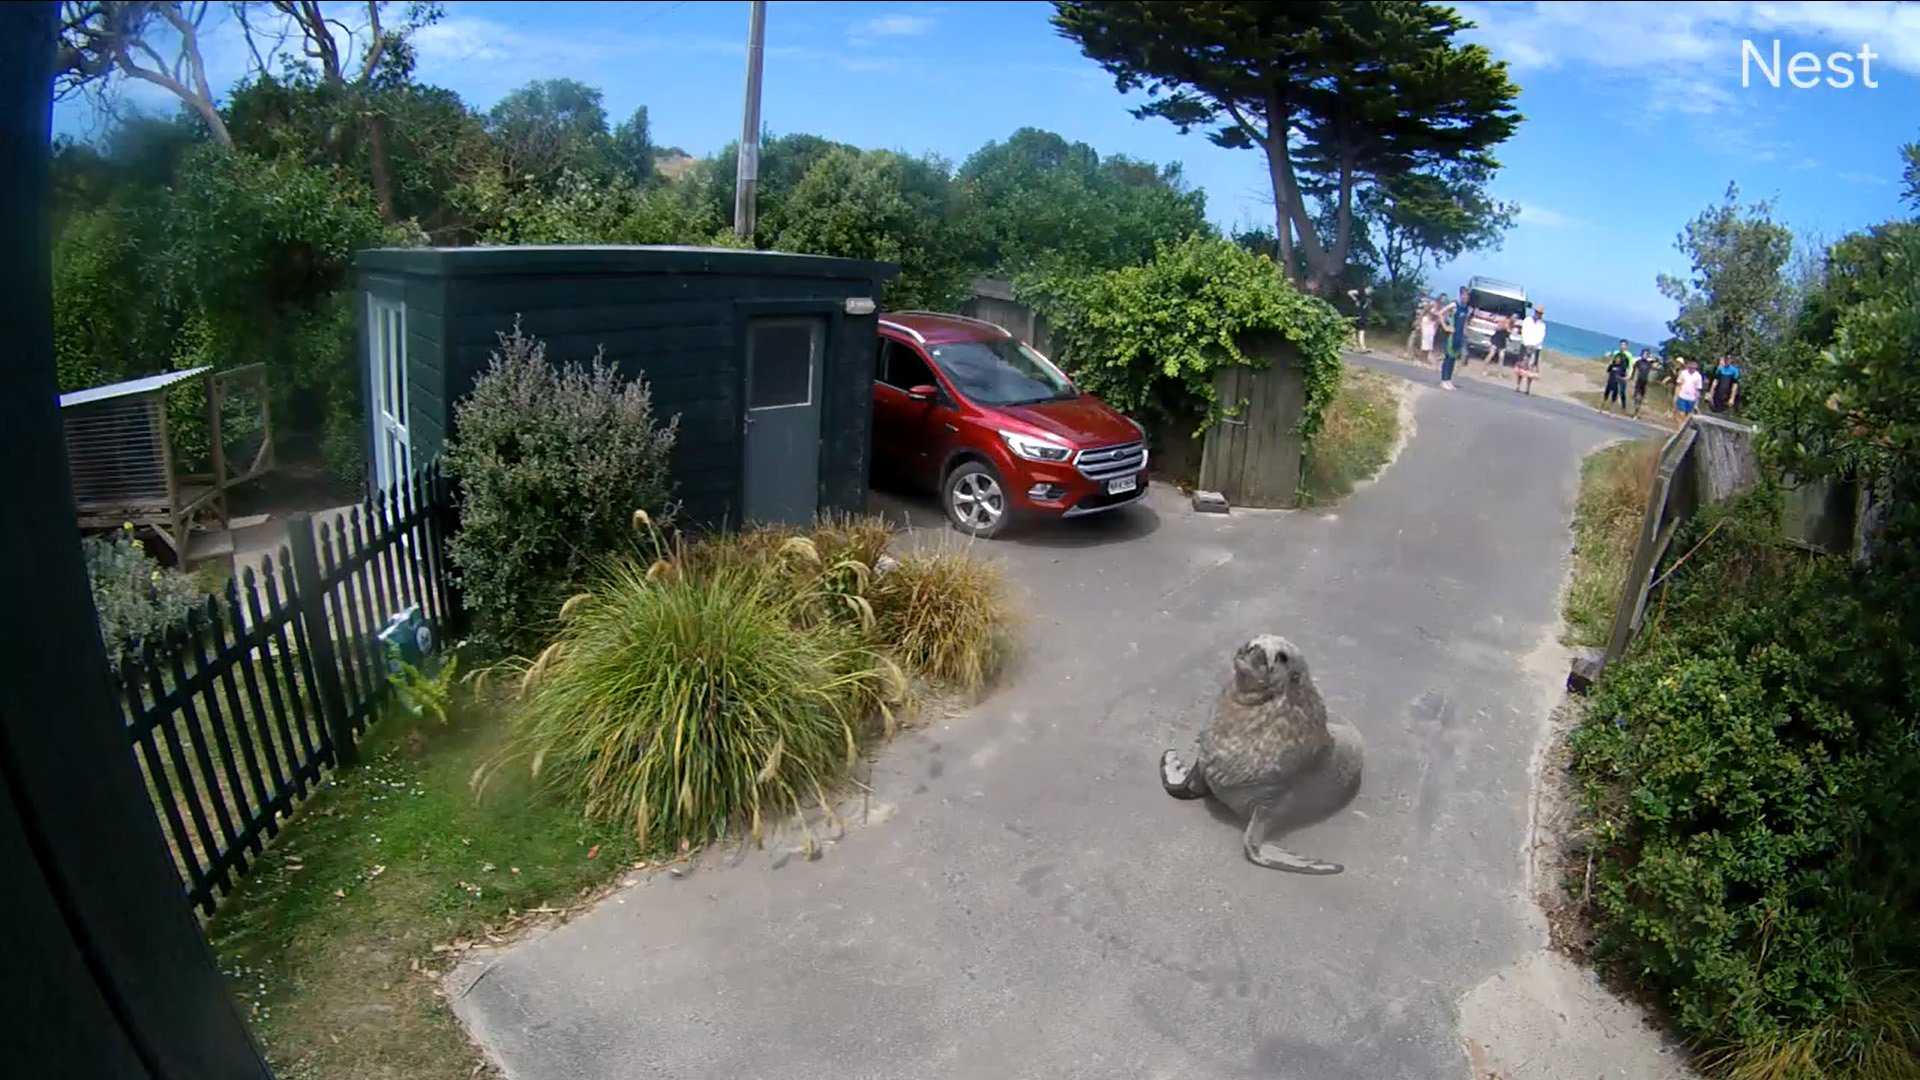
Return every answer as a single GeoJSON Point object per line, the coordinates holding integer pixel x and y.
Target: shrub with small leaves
{"type": "Point", "coordinates": [1149, 339]}
{"type": "Point", "coordinates": [1751, 780]}
{"type": "Point", "coordinates": [551, 463]}
{"type": "Point", "coordinates": [136, 599]}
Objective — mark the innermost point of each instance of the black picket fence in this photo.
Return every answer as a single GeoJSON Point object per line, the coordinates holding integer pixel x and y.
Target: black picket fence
{"type": "Point", "coordinates": [237, 715]}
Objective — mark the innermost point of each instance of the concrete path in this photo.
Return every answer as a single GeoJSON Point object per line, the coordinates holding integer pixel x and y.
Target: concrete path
{"type": "Point", "coordinates": [1035, 906]}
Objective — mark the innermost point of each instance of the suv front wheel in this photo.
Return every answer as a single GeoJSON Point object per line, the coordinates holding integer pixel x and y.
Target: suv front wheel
{"type": "Point", "coordinates": [976, 500]}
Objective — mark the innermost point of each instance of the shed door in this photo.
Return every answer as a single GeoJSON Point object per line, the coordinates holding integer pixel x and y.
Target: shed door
{"type": "Point", "coordinates": [387, 381]}
{"type": "Point", "coordinates": [784, 362]}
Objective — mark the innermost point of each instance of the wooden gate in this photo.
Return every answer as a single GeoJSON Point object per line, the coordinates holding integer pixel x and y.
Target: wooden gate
{"type": "Point", "coordinates": [1253, 454]}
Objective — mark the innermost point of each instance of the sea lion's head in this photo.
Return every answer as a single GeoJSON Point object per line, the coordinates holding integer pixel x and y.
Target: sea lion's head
{"type": "Point", "coordinates": [1267, 665]}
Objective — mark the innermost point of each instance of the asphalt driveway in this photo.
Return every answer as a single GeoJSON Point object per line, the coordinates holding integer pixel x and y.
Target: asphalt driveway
{"type": "Point", "coordinates": [1035, 906]}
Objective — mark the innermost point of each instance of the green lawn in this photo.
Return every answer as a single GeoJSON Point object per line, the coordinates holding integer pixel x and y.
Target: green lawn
{"type": "Point", "coordinates": [1362, 426]}
{"type": "Point", "coordinates": [1614, 484]}
{"type": "Point", "coordinates": [335, 943]}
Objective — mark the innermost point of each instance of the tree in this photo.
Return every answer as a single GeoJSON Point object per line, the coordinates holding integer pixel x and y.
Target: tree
{"type": "Point", "coordinates": [1843, 399]}
{"type": "Point", "coordinates": [1335, 93]}
{"type": "Point", "coordinates": [880, 205]}
{"type": "Point", "coordinates": [1737, 302]}
{"type": "Point", "coordinates": [784, 161]}
{"type": "Point", "coordinates": [354, 71]}
{"type": "Point", "coordinates": [632, 148]}
{"type": "Point", "coordinates": [1037, 196]}
{"type": "Point", "coordinates": [548, 127]}
{"type": "Point", "coordinates": [1422, 219]}
{"type": "Point", "coordinates": [103, 38]}
{"type": "Point", "coordinates": [1910, 176]}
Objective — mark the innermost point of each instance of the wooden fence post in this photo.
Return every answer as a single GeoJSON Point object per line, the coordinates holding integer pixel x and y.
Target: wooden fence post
{"type": "Point", "coordinates": [310, 600]}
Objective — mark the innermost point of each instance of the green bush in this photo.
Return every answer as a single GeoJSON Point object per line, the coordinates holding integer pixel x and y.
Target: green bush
{"type": "Point", "coordinates": [135, 598]}
{"type": "Point", "coordinates": [680, 703]}
{"type": "Point", "coordinates": [551, 462]}
{"type": "Point", "coordinates": [1751, 776]}
{"type": "Point", "coordinates": [1149, 339]}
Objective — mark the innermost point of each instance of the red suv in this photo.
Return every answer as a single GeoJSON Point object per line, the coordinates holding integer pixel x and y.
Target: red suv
{"type": "Point", "coordinates": [964, 407]}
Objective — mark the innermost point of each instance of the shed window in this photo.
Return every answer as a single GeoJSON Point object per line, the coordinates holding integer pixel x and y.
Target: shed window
{"type": "Point", "coordinates": [387, 355]}
{"type": "Point", "coordinates": [780, 361]}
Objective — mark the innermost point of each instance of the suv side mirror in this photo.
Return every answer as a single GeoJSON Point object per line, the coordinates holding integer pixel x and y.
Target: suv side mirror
{"type": "Point", "coordinates": [923, 392]}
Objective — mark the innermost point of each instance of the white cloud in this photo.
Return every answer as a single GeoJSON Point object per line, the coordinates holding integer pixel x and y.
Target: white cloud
{"type": "Point", "coordinates": [1666, 63]}
{"type": "Point", "coordinates": [1531, 214]}
{"type": "Point", "coordinates": [1864, 179]}
{"type": "Point", "coordinates": [894, 25]}
{"type": "Point", "coordinates": [1643, 36]}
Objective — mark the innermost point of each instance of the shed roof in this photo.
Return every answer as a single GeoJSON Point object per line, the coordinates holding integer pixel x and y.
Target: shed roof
{"type": "Point", "coordinates": [144, 385]}
{"type": "Point", "coordinates": [615, 258]}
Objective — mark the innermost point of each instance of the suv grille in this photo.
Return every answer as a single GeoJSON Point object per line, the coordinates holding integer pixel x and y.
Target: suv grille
{"type": "Point", "coordinates": [1108, 462]}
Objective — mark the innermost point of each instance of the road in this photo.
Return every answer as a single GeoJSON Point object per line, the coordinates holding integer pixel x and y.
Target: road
{"type": "Point", "coordinates": [1035, 906]}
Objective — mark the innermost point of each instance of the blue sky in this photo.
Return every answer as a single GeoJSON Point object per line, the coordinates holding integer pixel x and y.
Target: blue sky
{"type": "Point", "coordinates": [1636, 117]}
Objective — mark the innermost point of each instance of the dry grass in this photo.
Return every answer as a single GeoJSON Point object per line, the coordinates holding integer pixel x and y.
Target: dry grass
{"type": "Point", "coordinates": [948, 616]}
{"type": "Point", "coordinates": [1615, 483]}
{"type": "Point", "coordinates": [1357, 440]}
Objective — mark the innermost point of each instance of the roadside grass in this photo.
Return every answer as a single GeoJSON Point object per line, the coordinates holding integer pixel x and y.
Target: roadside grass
{"type": "Point", "coordinates": [1357, 440]}
{"type": "Point", "coordinates": [1614, 485]}
{"type": "Point", "coordinates": [336, 942]}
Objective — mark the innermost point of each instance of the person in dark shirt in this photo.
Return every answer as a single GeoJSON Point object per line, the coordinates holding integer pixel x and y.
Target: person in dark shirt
{"type": "Point", "coordinates": [1726, 386]}
{"type": "Point", "coordinates": [1642, 371]}
{"type": "Point", "coordinates": [1362, 298]}
{"type": "Point", "coordinates": [1497, 341]}
{"type": "Point", "coordinates": [1617, 362]}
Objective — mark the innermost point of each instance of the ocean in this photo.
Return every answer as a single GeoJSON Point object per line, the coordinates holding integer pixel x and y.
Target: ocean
{"type": "Point", "coordinates": [1584, 344]}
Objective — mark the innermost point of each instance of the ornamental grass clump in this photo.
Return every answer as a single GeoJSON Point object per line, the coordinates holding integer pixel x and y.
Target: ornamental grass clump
{"type": "Point", "coordinates": [947, 616]}
{"type": "Point", "coordinates": [682, 702]}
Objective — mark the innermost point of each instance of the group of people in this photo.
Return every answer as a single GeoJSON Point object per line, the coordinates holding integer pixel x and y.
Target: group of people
{"type": "Point", "coordinates": [1441, 325]}
{"type": "Point", "coordinates": [1451, 316]}
{"type": "Point", "coordinates": [1720, 387]}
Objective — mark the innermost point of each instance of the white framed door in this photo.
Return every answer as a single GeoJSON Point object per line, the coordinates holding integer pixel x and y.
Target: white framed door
{"type": "Point", "coordinates": [387, 383]}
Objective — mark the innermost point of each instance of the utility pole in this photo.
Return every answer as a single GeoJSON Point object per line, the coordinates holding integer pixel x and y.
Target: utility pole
{"type": "Point", "coordinates": [747, 177]}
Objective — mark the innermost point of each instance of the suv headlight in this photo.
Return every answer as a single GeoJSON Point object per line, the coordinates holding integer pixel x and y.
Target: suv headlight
{"type": "Point", "coordinates": [1034, 448]}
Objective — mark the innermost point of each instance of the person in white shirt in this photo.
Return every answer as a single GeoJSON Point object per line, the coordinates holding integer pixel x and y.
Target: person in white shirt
{"type": "Point", "coordinates": [1686, 393]}
{"type": "Point", "coordinates": [1533, 334]}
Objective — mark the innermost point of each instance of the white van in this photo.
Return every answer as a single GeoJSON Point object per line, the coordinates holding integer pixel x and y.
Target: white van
{"type": "Point", "coordinates": [1491, 299]}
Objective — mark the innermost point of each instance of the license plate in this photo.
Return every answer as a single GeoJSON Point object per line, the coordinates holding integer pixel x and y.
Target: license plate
{"type": "Point", "coordinates": [1124, 484]}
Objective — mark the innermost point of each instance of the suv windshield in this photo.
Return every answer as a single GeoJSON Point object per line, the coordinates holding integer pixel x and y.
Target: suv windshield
{"type": "Point", "coordinates": [1003, 372]}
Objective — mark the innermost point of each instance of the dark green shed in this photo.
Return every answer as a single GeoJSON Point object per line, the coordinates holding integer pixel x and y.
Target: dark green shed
{"type": "Point", "coordinates": [767, 358]}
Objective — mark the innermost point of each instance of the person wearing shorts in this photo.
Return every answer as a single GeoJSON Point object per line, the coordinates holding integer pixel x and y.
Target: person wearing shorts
{"type": "Point", "coordinates": [1686, 393]}
{"type": "Point", "coordinates": [1497, 341]}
